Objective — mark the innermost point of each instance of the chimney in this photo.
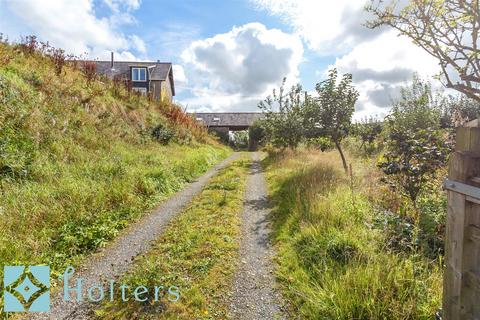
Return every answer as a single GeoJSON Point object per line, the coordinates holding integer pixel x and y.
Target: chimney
{"type": "Point", "coordinates": [111, 61]}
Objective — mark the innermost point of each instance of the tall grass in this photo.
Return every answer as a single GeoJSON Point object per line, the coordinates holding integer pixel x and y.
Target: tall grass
{"type": "Point", "coordinates": [332, 263]}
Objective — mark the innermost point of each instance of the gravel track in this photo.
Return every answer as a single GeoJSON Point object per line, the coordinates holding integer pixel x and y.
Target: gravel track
{"type": "Point", "coordinates": [117, 258]}
{"type": "Point", "coordinates": [254, 296]}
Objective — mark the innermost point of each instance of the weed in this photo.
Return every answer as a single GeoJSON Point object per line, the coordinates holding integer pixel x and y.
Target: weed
{"type": "Point", "coordinates": [90, 71]}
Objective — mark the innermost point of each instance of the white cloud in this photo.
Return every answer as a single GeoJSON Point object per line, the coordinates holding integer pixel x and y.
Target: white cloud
{"type": "Point", "coordinates": [179, 75]}
{"type": "Point", "coordinates": [138, 44]}
{"type": "Point", "coordinates": [381, 66]}
{"type": "Point", "coordinates": [236, 69]}
{"type": "Point", "coordinates": [116, 5]}
{"type": "Point", "coordinates": [379, 60]}
{"type": "Point", "coordinates": [326, 27]}
{"type": "Point", "coordinates": [73, 26]}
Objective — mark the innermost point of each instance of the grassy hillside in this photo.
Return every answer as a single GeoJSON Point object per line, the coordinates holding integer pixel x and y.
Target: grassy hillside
{"type": "Point", "coordinates": [81, 157]}
{"type": "Point", "coordinates": [334, 260]}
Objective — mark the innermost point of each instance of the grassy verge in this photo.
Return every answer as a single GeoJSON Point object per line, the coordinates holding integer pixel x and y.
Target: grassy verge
{"type": "Point", "coordinates": [332, 262]}
{"type": "Point", "coordinates": [76, 207]}
{"type": "Point", "coordinates": [197, 253]}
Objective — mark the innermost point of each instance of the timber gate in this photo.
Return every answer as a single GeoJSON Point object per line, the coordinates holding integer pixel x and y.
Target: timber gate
{"type": "Point", "coordinates": [461, 288]}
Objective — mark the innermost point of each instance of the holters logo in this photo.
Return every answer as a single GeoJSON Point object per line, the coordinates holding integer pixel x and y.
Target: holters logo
{"type": "Point", "coordinates": [26, 288]}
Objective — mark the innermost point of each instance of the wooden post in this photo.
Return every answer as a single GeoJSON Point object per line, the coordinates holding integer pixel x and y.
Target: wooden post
{"type": "Point", "coordinates": [461, 289]}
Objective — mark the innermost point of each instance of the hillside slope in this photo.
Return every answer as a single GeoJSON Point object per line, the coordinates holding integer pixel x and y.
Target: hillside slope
{"type": "Point", "coordinates": [81, 157]}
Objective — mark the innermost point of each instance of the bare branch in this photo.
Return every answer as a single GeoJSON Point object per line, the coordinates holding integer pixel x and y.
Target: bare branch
{"type": "Point", "coordinates": [446, 29]}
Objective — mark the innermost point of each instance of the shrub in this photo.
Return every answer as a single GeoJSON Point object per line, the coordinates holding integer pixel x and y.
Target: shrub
{"type": "Point", "coordinates": [29, 44]}
{"type": "Point", "coordinates": [257, 134]}
{"type": "Point", "coordinates": [163, 134]}
{"type": "Point", "coordinates": [416, 147]}
{"type": "Point", "coordinates": [397, 230]}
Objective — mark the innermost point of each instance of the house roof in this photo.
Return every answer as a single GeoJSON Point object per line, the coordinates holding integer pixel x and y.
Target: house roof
{"type": "Point", "coordinates": [159, 71]}
{"type": "Point", "coordinates": [228, 119]}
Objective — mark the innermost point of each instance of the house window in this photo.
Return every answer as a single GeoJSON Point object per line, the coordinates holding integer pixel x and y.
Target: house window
{"type": "Point", "coordinates": [216, 119]}
{"type": "Point", "coordinates": [139, 74]}
{"type": "Point", "coordinates": [143, 91]}
{"type": "Point", "coordinates": [199, 119]}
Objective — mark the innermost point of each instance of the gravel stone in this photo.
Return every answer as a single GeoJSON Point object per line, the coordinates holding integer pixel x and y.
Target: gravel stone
{"type": "Point", "coordinates": [254, 295]}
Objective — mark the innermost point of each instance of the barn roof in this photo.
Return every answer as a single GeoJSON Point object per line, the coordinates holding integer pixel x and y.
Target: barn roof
{"type": "Point", "coordinates": [228, 119]}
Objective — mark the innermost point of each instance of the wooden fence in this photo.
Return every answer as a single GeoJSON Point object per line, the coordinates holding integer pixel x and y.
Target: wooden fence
{"type": "Point", "coordinates": [461, 289]}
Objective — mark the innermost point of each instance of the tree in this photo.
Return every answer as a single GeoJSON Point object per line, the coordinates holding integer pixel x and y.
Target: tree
{"type": "Point", "coordinates": [330, 114]}
{"type": "Point", "coordinates": [283, 127]}
{"type": "Point", "coordinates": [446, 29]}
{"type": "Point", "coordinates": [416, 146]}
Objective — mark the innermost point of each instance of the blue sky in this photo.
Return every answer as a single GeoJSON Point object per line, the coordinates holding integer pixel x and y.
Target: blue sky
{"type": "Point", "coordinates": [230, 54]}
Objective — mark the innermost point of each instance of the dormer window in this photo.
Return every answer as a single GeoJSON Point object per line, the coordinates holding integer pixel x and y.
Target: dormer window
{"type": "Point", "coordinates": [139, 74]}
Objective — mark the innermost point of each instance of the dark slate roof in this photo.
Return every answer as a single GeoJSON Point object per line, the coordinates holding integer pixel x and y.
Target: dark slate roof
{"type": "Point", "coordinates": [228, 119]}
{"type": "Point", "coordinates": [160, 70]}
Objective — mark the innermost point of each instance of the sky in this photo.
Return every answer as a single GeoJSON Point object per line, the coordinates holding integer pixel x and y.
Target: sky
{"type": "Point", "coordinates": [229, 54]}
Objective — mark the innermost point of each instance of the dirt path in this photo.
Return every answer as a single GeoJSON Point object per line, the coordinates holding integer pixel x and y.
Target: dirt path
{"type": "Point", "coordinates": [117, 258]}
{"type": "Point", "coordinates": [254, 295]}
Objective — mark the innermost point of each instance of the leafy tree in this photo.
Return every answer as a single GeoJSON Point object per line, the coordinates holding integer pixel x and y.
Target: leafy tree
{"type": "Point", "coordinates": [416, 145]}
{"type": "Point", "coordinates": [330, 114]}
{"type": "Point", "coordinates": [283, 117]}
{"type": "Point", "coordinates": [446, 29]}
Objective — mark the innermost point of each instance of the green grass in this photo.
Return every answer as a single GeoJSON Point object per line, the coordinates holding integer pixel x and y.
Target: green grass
{"type": "Point", "coordinates": [75, 208]}
{"type": "Point", "coordinates": [79, 160]}
{"type": "Point", "coordinates": [331, 262]}
{"type": "Point", "coordinates": [198, 253]}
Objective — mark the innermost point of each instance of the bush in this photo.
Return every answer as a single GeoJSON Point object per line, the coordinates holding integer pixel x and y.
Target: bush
{"type": "Point", "coordinates": [163, 134]}
{"type": "Point", "coordinates": [416, 146]}
{"type": "Point", "coordinates": [397, 230]}
{"type": "Point", "coordinates": [257, 134]}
